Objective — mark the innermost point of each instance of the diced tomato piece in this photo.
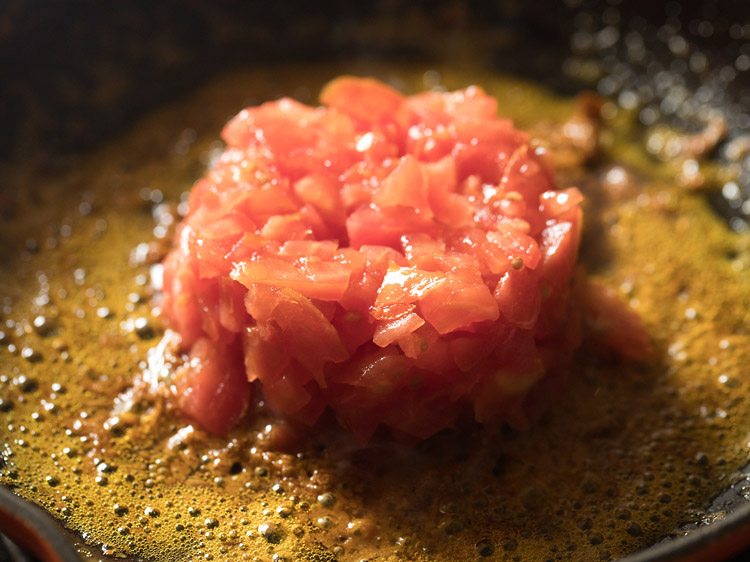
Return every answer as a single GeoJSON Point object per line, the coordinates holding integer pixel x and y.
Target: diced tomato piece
{"type": "Point", "coordinates": [286, 394]}
{"type": "Point", "coordinates": [265, 357]}
{"type": "Point", "coordinates": [286, 227]}
{"type": "Point", "coordinates": [499, 395]}
{"type": "Point", "coordinates": [424, 252]}
{"type": "Point", "coordinates": [309, 337]}
{"type": "Point", "coordinates": [363, 390]}
{"type": "Point", "coordinates": [322, 192]}
{"type": "Point", "coordinates": [448, 302]}
{"type": "Point", "coordinates": [384, 227]}
{"type": "Point", "coordinates": [315, 279]}
{"type": "Point", "coordinates": [519, 298]}
{"type": "Point", "coordinates": [211, 242]}
{"type": "Point", "coordinates": [232, 313]}
{"type": "Point", "coordinates": [368, 101]}
{"type": "Point", "coordinates": [389, 331]}
{"type": "Point", "coordinates": [430, 144]}
{"type": "Point", "coordinates": [180, 304]}
{"type": "Point", "coordinates": [265, 202]}
{"type": "Point", "coordinates": [375, 147]}
{"type": "Point", "coordinates": [525, 174]}
{"type": "Point", "coordinates": [516, 245]}
{"type": "Point", "coordinates": [434, 108]}
{"type": "Point", "coordinates": [449, 207]}
{"type": "Point", "coordinates": [428, 350]}
{"type": "Point", "coordinates": [355, 328]}
{"type": "Point", "coordinates": [405, 186]}
{"type": "Point", "coordinates": [457, 303]}
{"type": "Point", "coordinates": [559, 247]}
{"type": "Point", "coordinates": [555, 203]}
{"type": "Point", "coordinates": [470, 349]}
{"type": "Point", "coordinates": [254, 125]}
{"type": "Point", "coordinates": [307, 249]}
{"type": "Point", "coordinates": [212, 388]}
{"type": "Point", "coordinates": [300, 138]}
{"type": "Point", "coordinates": [369, 266]}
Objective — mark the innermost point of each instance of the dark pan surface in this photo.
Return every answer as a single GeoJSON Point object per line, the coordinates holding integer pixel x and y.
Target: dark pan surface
{"type": "Point", "coordinates": [30, 533]}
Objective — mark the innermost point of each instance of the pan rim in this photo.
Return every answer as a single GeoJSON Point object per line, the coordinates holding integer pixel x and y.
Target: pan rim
{"type": "Point", "coordinates": [718, 540]}
{"type": "Point", "coordinates": [39, 532]}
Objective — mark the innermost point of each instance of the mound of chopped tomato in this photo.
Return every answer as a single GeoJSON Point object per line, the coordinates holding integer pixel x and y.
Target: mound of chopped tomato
{"type": "Point", "coordinates": [395, 259]}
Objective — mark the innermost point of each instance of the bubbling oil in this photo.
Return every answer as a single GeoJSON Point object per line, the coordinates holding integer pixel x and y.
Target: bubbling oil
{"type": "Point", "coordinates": [622, 459]}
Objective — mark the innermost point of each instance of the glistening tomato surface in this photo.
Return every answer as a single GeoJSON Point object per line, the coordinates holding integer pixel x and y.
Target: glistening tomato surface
{"type": "Point", "coordinates": [396, 259]}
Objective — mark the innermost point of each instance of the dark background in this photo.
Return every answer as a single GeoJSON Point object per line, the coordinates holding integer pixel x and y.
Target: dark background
{"type": "Point", "coordinates": [72, 72]}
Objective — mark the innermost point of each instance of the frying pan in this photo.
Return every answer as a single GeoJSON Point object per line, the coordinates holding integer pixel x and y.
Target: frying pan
{"type": "Point", "coordinates": [73, 74]}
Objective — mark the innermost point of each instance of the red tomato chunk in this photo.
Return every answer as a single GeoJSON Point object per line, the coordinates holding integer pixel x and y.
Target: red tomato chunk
{"type": "Point", "coordinates": [395, 259]}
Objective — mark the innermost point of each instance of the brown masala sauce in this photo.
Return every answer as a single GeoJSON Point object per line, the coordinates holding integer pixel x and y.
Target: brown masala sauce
{"type": "Point", "coordinates": [622, 459]}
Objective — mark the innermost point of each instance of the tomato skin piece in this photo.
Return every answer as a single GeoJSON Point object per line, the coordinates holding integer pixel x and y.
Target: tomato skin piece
{"type": "Point", "coordinates": [212, 388]}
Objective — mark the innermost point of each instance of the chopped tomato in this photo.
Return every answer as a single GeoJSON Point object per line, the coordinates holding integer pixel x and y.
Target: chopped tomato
{"type": "Point", "coordinates": [367, 100]}
{"type": "Point", "coordinates": [322, 192]}
{"type": "Point", "coordinates": [393, 258]}
{"type": "Point", "coordinates": [405, 186]}
{"type": "Point", "coordinates": [384, 227]}
{"type": "Point", "coordinates": [315, 279]}
{"type": "Point", "coordinates": [519, 298]}
{"type": "Point", "coordinates": [212, 387]}
{"type": "Point", "coordinates": [309, 337]}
